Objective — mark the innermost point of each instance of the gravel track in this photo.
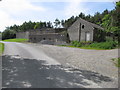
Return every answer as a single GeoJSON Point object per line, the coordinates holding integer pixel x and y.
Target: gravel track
{"type": "Point", "coordinates": [54, 66]}
{"type": "Point", "coordinates": [94, 60]}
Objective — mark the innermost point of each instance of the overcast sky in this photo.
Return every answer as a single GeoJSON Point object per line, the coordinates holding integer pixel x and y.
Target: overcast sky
{"type": "Point", "coordinates": [17, 11]}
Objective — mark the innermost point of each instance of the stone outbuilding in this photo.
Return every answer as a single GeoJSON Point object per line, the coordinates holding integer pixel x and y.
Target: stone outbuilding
{"type": "Point", "coordinates": [82, 30]}
{"type": "Point", "coordinates": [48, 34]}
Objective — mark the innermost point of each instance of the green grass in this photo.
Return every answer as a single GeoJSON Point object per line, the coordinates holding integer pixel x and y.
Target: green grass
{"type": "Point", "coordinates": [104, 45]}
{"type": "Point", "coordinates": [1, 48]}
{"type": "Point", "coordinates": [16, 40]}
{"type": "Point", "coordinates": [117, 61]}
{"type": "Point", "coordinates": [83, 47]}
{"type": "Point", "coordinates": [93, 45]}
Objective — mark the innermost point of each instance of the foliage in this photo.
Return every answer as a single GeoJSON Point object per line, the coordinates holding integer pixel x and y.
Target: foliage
{"type": "Point", "coordinates": [16, 40]}
{"type": "Point", "coordinates": [1, 48]}
{"type": "Point", "coordinates": [57, 23]}
{"type": "Point", "coordinates": [8, 34]}
{"type": "Point", "coordinates": [117, 61]}
{"type": "Point", "coordinates": [80, 44]}
{"type": "Point", "coordinates": [76, 44]}
{"type": "Point", "coordinates": [104, 45]}
{"type": "Point", "coordinates": [101, 45]}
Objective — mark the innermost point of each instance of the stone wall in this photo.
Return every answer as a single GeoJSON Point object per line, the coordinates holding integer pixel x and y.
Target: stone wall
{"type": "Point", "coordinates": [51, 37]}
{"type": "Point", "coordinates": [42, 31]}
{"type": "Point", "coordinates": [22, 35]}
{"type": "Point", "coordinates": [47, 34]}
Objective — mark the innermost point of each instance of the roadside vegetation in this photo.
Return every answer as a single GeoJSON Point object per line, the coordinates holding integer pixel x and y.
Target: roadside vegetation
{"type": "Point", "coordinates": [117, 61]}
{"type": "Point", "coordinates": [16, 40]}
{"type": "Point", "coordinates": [94, 45]}
{"type": "Point", "coordinates": [1, 48]}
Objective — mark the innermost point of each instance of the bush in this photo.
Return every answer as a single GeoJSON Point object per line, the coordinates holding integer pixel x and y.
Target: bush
{"type": "Point", "coordinates": [76, 44]}
{"type": "Point", "coordinates": [104, 45]}
{"type": "Point", "coordinates": [8, 34]}
{"type": "Point", "coordinates": [84, 43]}
{"type": "Point", "coordinates": [117, 61]}
{"type": "Point", "coordinates": [101, 45]}
{"type": "Point", "coordinates": [80, 44]}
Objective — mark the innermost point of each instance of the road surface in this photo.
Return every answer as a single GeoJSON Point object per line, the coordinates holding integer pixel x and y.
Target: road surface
{"type": "Point", "coordinates": [27, 66]}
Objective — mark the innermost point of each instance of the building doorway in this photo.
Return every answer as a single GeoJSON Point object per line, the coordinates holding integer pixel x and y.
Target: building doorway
{"type": "Point", "coordinates": [87, 36]}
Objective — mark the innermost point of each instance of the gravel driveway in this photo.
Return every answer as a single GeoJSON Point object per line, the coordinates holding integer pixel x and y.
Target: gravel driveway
{"type": "Point", "coordinates": [94, 60]}
{"type": "Point", "coordinates": [46, 66]}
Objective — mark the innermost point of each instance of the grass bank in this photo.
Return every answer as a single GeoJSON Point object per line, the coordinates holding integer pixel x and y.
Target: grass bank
{"type": "Point", "coordinates": [117, 61]}
{"type": "Point", "coordinates": [16, 40]}
{"type": "Point", "coordinates": [1, 48]}
{"type": "Point", "coordinates": [94, 45]}
{"type": "Point", "coordinates": [83, 47]}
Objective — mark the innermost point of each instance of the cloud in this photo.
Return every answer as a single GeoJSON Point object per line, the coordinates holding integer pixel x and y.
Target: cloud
{"type": "Point", "coordinates": [74, 8]}
{"type": "Point", "coordinates": [11, 8]}
{"type": "Point", "coordinates": [73, 0]}
{"type": "Point", "coordinates": [19, 5]}
{"type": "Point", "coordinates": [6, 21]}
{"type": "Point", "coordinates": [17, 11]}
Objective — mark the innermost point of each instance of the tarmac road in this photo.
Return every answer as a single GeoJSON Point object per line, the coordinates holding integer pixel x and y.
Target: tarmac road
{"type": "Point", "coordinates": [26, 66]}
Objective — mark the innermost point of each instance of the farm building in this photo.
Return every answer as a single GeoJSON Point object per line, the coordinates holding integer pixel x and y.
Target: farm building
{"type": "Point", "coordinates": [48, 34]}
{"type": "Point", "coordinates": [82, 30]}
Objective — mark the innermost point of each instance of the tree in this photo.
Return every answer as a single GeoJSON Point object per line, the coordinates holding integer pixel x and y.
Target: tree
{"type": "Point", "coordinates": [37, 26]}
{"type": "Point", "coordinates": [57, 23]}
{"type": "Point", "coordinates": [69, 22]}
{"type": "Point", "coordinates": [97, 18]}
{"type": "Point", "coordinates": [49, 25]}
{"type": "Point", "coordinates": [8, 34]}
{"type": "Point", "coordinates": [62, 23]}
{"type": "Point", "coordinates": [82, 15]}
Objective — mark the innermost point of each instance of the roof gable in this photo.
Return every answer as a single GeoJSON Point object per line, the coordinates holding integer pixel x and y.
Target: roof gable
{"type": "Point", "coordinates": [92, 24]}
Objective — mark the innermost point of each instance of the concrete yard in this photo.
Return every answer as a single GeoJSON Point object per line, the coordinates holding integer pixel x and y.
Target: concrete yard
{"type": "Point", "coordinates": [46, 66]}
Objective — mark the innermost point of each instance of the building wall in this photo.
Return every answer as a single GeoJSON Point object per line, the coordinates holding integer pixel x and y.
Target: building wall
{"type": "Point", "coordinates": [76, 31]}
{"type": "Point", "coordinates": [47, 34]}
{"type": "Point", "coordinates": [52, 37]}
{"type": "Point", "coordinates": [83, 34]}
{"type": "Point", "coordinates": [22, 35]}
{"type": "Point", "coordinates": [73, 31]}
{"type": "Point", "coordinates": [42, 31]}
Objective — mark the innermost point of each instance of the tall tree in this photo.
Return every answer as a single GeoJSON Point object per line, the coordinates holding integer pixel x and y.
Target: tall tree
{"type": "Point", "coordinates": [57, 23]}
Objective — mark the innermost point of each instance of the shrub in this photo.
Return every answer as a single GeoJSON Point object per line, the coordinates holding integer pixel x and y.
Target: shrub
{"type": "Point", "coordinates": [117, 61]}
{"type": "Point", "coordinates": [85, 43]}
{"type": "Point", "coordinates": [76, 44]}
{"type": "Point", "coordinates": [101, 45]}
{"type": "Point", "coordinates": [104, 45]}
{"type": "Point", "coordinates": [80, 44]}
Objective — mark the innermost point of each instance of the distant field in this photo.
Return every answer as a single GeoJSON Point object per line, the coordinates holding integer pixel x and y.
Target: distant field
{"type": "Point", "coordinates": [16, 40]}
{"type": "Point", "coordinates": [1, 48]}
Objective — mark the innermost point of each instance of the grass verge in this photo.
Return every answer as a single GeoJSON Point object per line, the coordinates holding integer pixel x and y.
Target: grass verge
{"type": "Point", "coordinates": [16, 40]}
{"type": "Point", "coordinates": [1, 48]}
{"type": "Point", "coordinates": [93, 45]}
{"type": "Point", "coordinates": [117, 61]}
{"type": "Point", "coordinates": [83, 47]}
